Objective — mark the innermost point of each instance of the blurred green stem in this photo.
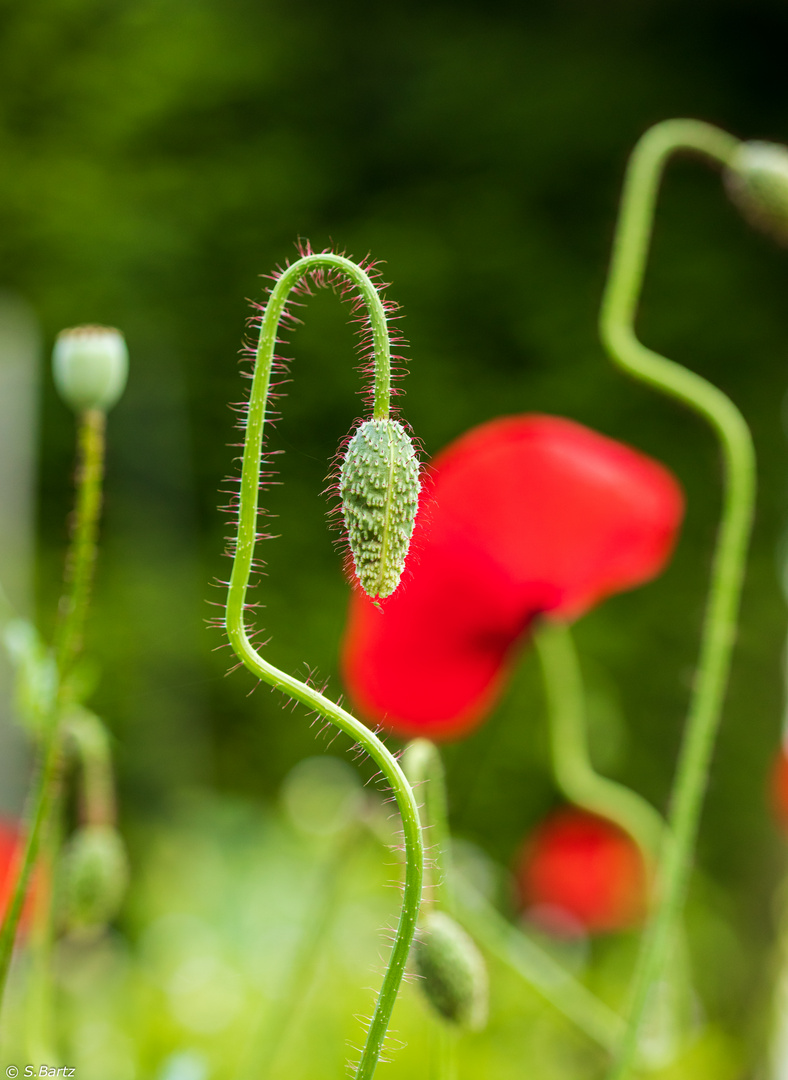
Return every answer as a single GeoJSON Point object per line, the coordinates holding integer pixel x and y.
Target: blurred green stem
{"type": "Point", "coordinates": [424, 769]}
{"type": "Point", "coordinates": [572, 765]}
{"type": "Point", "coordinates": [619, 306]}
{"type": "Point", "coordinates": [81, 558]}
{"type": "Point", "coordinates": [88, 739]}
{"type": "Point", "coordinates": [80, 561]}
{"type": "Point", "coordinates": [40, 1044]}
{"type": "Point", "coordinates": [326, 892]}
{"type": "Point", "coordinates": [294, 688]}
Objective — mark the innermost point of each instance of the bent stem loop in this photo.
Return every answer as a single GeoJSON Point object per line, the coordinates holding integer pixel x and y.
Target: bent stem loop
{"type": "Point", "coordinates": [80, 562]}
{"type": "Point", "coordinates": [306, 695]}
{"type": "Point", "coordinates": [574, 771]}
{"type": "Point", "coordinates": [424, 769]}
{"type": "Point", "coordinates": [630, 249]}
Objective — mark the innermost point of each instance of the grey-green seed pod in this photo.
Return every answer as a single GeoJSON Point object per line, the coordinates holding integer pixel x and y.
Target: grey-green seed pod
{"type": "Point", "coordinates": [94, 878]}
{"type": "Point", "coordinates": [453, 971]}
{"type": "Point", "coordinates": [757, 181]}
{"type": "Point", "coordinates": [90, 365]}
{"type": "Point", "coordinates": [379, 486]}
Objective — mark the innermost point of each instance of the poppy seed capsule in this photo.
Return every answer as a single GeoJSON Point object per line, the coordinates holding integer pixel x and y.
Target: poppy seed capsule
{"type": "Point", "coordinates": [90, 365]}
{"type": "Point", "coordinates": [757, 181]}
{"type": "Point", "coordinates": [379, 486]}
{"type": "Point", "coordinates": [95, 875]}
{"type": "Point", "coordinates": [453, 971]}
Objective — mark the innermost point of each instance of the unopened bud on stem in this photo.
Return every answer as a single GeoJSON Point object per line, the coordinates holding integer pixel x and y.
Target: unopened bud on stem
{"type": "Point", "coordinates": [90, 365]}
{"type": "Point", "coordinates": [379, 486]}
{"type": "Point", "coordinates": [453, 971]}
{"type": "Point", "coordinates": [757, 181]}
{"type": "Point", "coordinates": [95, 876]}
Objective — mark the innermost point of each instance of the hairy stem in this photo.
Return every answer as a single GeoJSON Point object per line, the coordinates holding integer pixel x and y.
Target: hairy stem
{"type": "Point", "coordinates": [251, 658]}
{"type": "Point", "coordinates": [80, 561]}
{"type": "Point", "coordinates": [630, 250]}
{"type": "Point", "coordinates": [572, 765]}
{"type": "Point", "coordinates": [81, 558]}
{"type": "Point", "coordinates": [424, 769]}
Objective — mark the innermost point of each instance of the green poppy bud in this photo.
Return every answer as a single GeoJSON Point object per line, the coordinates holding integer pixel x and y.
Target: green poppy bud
{"type": "Point", "coordinates": [94, 877]}
{"type": "Point", "coordinates": [90, 365]}
{"type": "Point", "coordinates": [453, 971]}
{"type": "Point", "coordinates": [757, 181]}
{"type": "Point", "coordinates": [379, 486]}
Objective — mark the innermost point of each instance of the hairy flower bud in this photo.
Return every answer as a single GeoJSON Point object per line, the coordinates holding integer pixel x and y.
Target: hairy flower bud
{"type": "Point", "coordinates": [453, 971]}
{"type": "Point", "coordinates": [95, 875]}
{"type": "Point", "coordinates": [379, 486]}
{"type": "Point", "coordinates": [90, 365]}
{"type": "Point", "coordinates": [757, 181]}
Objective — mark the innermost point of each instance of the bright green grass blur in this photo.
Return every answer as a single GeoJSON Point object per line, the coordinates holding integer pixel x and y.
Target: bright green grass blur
{"type": "Point", "coordinates": [223, 902]}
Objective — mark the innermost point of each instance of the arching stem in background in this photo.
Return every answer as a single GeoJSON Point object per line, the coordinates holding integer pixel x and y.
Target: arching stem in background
{"type": "Point", "coordinates": [630, 249]}
{"type": "Point", "coordinates": [574, 772]}
{"type": "Point", "coordinates": [236, 600]}
{"type": "Point", "coordinates": [80, 562]}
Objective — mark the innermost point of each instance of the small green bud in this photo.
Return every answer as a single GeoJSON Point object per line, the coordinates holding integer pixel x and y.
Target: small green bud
{"type": "Point", "coordinates": [95, 875]}
{"type": "Point", "coordinates": [453, 971]}
{"type": "Point", "coordinates": [756, 179]}
{"type": "Point", "coordinates": [90, 365]}
{"type": "Point", "coordinates": [379, 486]}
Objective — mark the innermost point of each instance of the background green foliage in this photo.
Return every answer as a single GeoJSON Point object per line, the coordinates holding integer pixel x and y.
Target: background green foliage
{"type": "Point", "coordinates": [157, 156]}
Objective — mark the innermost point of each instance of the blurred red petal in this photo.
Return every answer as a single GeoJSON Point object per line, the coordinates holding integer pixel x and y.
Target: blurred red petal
{"type": "Point", "coordinates": [779, 788]}
{"type": "Point", "coordinates": [584, 869]}
{"type": "Point", "coordinates": [10, 857]}
{"type": "Point", "coordinates": [523, 515]}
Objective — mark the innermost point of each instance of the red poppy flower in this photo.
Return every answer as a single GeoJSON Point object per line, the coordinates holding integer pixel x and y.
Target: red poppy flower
{"type": "Point", "coordinates": [522, 516]}
{"type": "Point", "coordinates": [10, 854]}
{"type": "Point", "coordinates": [579, 873]}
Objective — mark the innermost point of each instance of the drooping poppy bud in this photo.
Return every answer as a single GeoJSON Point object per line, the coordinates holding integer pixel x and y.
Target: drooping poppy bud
{"type": "Point", "coordinates": [525, 515]}
{"type": "Point", "coordinates": [90, 365]}
{"type": "Point", "coordinates": [757, 181]}
{"type": "Point", "coordinates": [94, 878]}
{"type": "Point", "coordinates": [579, 873]}
{"type": "Point", "coordinates": [379, 487]}
{"type": "Point", "coordinates": [453, 971]}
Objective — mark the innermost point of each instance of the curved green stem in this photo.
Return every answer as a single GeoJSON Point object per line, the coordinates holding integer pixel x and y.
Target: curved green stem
{"type": "Point", "coordinates": [630, 249]}
{"type": "Point", "coordinates": [572, 766]}
{"type": "Point", "coordinates": [89, 742]}
{"type": "Point", "coordinates": [80, 562]}
{"type": "Point", "coordinates": [239, 639]}
{"type": "Point", "coordinates": [423, 767]}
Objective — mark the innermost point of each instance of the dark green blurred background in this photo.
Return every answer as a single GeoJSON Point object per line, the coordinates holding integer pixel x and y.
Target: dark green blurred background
{"type": "Point", "coordinates": [157, 157]}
